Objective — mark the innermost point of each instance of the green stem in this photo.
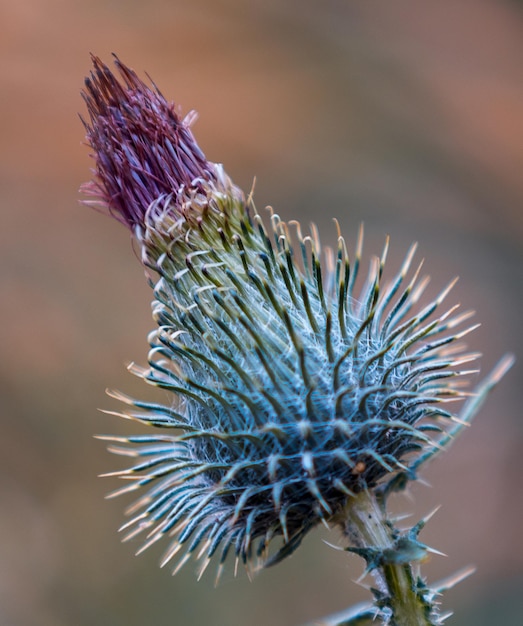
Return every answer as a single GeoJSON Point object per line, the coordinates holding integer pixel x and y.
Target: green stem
{"type": "Point", "coordinates": [389, 557]}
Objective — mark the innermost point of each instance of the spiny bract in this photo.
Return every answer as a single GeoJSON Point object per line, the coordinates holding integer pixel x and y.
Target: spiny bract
{"type": "Point", "coordinates": [293, 389]}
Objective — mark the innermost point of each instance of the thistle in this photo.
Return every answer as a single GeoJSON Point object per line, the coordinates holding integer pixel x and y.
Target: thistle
{"type": "Point", "coordinates": [300, 393]}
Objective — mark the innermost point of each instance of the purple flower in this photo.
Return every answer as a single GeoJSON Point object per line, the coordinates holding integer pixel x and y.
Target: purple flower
{"type": "Point", "coordinates": [143, 150]}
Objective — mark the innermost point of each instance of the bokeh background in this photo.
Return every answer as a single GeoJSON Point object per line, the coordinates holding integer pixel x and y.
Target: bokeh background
{"type": "Point", "coordinates": [404, 115]}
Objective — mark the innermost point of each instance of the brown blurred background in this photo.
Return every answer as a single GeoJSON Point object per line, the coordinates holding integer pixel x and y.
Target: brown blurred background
{"type": "Point", "coordinates": [403, 114]}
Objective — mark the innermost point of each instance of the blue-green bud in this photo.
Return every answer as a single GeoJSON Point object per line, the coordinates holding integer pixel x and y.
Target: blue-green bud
{"type": "Point", "coordinates": [295, 383]}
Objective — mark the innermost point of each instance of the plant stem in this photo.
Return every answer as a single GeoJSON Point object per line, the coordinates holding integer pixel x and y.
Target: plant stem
{"type": "Point", "coordinates": [389, 557]}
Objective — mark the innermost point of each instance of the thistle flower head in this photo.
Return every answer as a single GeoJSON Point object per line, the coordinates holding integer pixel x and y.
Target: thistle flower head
{"type": "Point", "coordinates": [294, 383]}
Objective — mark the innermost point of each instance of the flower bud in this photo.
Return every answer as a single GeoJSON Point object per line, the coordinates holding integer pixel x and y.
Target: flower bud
{"type": "Point", "coordinates": [295, 384]}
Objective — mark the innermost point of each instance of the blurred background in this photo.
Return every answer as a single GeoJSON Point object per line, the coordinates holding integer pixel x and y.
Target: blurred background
{"type": "Point", "coordinates": [404, 115]}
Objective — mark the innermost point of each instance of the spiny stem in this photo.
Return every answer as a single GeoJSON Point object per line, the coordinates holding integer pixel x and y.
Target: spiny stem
{"type": "Point", "coordinates": [389, 557]}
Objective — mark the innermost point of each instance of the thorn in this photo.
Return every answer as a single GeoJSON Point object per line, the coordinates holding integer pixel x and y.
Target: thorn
{"type": "Point", "coordinates": [359, 580]}
{"type": "Point", "coordinates": [156, 537]}
{"type": "Point", "coordinates": [131, 522]}
{"type": "Point", "coordinates": [433, 551]}
{"type": "Point", "coordinates": [451, 581]}
{"type": "Point", "coordinates": [203, 567]}
{"type": "Point", "coordinates": [399, 518]}
{"type": "Point", "coordinates": [120, 473]}
{"type": "Point", "coordinates": [170, 554]}
{"type": "Point", "coordinates": [431, 514]}
{"type": "Point", "coordinates": [181, 563]}
{"type": "Point", "coordinates": [333, 546]}
{"type": "Point", "coordinates": [219, 572]}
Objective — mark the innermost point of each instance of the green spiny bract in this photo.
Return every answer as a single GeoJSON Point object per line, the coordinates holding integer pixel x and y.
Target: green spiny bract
{"type": "Point", "coordinates": [293, 388]}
